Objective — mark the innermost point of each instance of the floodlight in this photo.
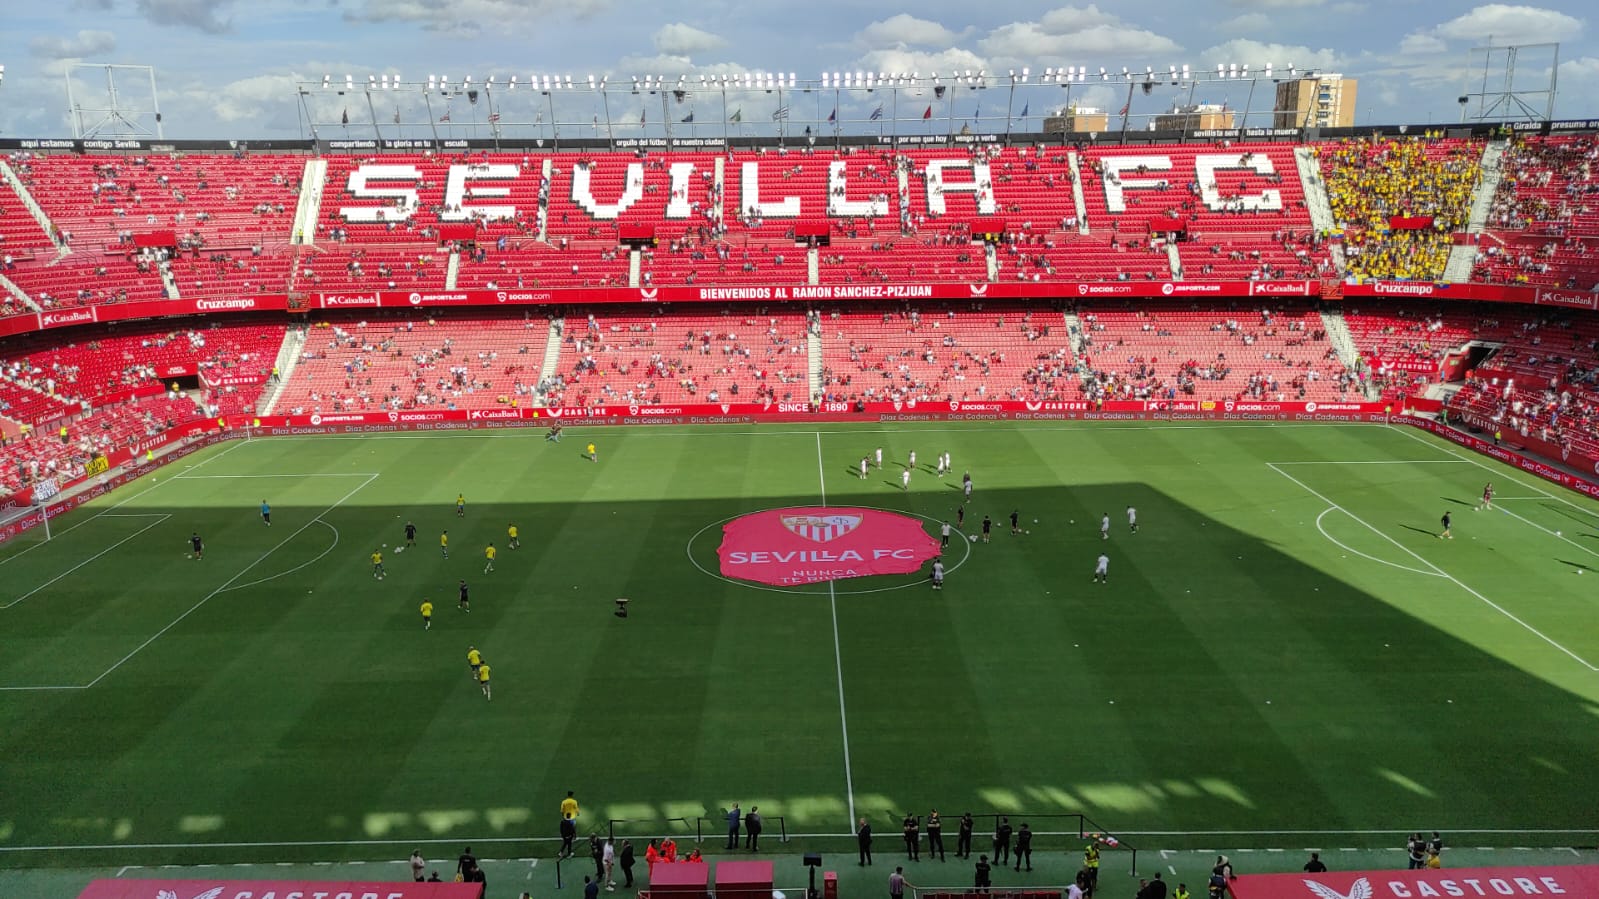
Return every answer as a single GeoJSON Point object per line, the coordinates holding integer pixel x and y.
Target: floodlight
{"type": "Point", "coordinates": [325, 80]}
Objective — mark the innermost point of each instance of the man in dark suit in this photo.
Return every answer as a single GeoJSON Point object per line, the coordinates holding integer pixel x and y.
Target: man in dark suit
{"type": "Point", "coordinates": [752, 829]}
{"type": "Point", "coordinates": [863, 839]}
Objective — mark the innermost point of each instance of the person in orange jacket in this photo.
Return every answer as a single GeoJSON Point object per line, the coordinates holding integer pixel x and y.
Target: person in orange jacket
{"type": "Point", "coordinates": [695, 858]}
{"type": "Point", "coordinates": [651, 856]}
{"type": "Point", "coordinates": [669, 849]}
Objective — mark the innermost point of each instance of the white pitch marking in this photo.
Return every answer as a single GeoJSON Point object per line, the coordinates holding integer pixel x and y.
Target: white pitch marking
{"type": "Point", "coordinates": [241, 573]}
{"type": "Point", "coordinates": [274, 577]}
{"type": "Point", "coordinates": [1410, 432]}
{"type": "Point", "coordinates": [159, 520]}
{"type": "Point", "coordinates": [1379, 462]}
{"type": "Point", "coordinates": [1451, 578]}
{"type": "Point", "coordinates": [838, 653]}
{"type": "Point", "coordinates": [64, 531]}
{"type": "Point", "coordinates": [235, 477]}
{"type": "Point", "coordinates": [1361, 554]}
{"type": "Point", "coordinates": [495, 840]}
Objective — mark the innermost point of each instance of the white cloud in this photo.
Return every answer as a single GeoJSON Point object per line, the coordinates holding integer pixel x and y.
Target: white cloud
{"type": "Point", "coordinates": [925, 62]}
{"type": "Point", "coordinates": [468, 16]}
{"type": "Point", "coordinates": [208, 16]}
{"type": "Point", "coordinates": [1579, 81]}
{"type": "Point", "coordinates": [79, 46]}
{"type": "Point", "coordinates": [1422, 43]}
{"type": "Point", "coordinates": [906, 30]}
{"type": "Point", "coordinates": [678, 39]}
{"type": "Point", "coordinates": [1247, 22]}
{"type": "Point", "coordinates": [1257, 54]}
{"type": "Point", "coordinates": [1076, 32]}
{"type": "Point", "coordinates": [1277, 4]}
{"type": "Point", "coordinates": [1508, 24]}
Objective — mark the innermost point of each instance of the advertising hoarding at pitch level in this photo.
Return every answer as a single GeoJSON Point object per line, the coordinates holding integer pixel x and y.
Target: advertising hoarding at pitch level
{"type": "Point", "coordinates": [1572, 881]}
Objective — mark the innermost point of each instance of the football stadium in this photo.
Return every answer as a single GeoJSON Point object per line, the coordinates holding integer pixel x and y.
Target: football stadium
{"type": "Point", "coordinates": [1046, 479]}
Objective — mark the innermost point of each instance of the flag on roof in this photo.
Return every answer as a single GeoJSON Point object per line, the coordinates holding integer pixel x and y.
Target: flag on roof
{"type": "Point", "coordinates": [346, 118]}
{"type": "Point", "coordinates": [832, 116]}
{"type": "Point", "coordinates": [878, 112]}
{"type": "Point", "coordinates": [494, 118]}
{"type": "Point", "coordinates": [1024, 110]}
{"type": "Point", "coordinates": [445, 117]}
{"type": "Point", "coordinates": [689, 119]}
{"type": "Point", "coordinates": [928, 113]}
{"type": "Point", "coordinates": [781, 115]}
{"type": "Point", "coordinates": [737, 116]}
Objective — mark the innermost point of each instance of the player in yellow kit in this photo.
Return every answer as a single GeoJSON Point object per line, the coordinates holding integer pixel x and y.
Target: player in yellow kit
{"type": "Point", "coordinates": [488, 556]}
{"type": "Point", "coordinates": [460, 505]}
{"type": "Point", "coordinates": [377, 564]}
{"type": "Point", "coordinates": [444, 544]}
{"type": "Point", "coordinates": [483, 680]}
{"type": "Point", "coordinates": [427, 614]}
{"type": "Point", "coordinates": [593, 456]}
{"type": "Point", "coordinates": [474, 659]}
{"type": "Point", "coordinates": [515, 542]}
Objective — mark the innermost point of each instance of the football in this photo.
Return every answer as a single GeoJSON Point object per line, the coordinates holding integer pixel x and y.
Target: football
{"type": "Point", "coordinates": [974, 538]}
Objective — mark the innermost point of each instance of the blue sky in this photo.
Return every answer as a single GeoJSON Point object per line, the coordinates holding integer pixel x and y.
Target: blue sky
{"type": "Point", "coordinates": [227, 69]}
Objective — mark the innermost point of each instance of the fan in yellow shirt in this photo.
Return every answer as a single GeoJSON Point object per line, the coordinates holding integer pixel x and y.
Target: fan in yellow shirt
{"type": "Point", "coordinates": [488, 555]}
{"type": "Point", "coordinates": [569, 806]}
{"type": "Point", "coordinates": [427, 614]}
{"type": "Point", "coordinates": [483, 680]}
{"type": "Point", "coordinates": [515, 542]}
{"type": "Point", "coordinates": [377, 564]}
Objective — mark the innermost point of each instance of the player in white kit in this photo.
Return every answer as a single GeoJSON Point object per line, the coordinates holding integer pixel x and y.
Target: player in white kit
{"type": "Point", "coordinates": [905, 478]}
{"type": "Point", "coordinates": [879, 457]}
{"type": "Point", "coordinates": [1132, 519]}
{"type": "Point", "coordinates": [863, 468]}
{"type": "Point", "coordinates": [912, 463]}
{"type": "Point", "coordinates": [1104, 526]}
{"type": "Point", "coordinates": [966, 485]}
{"type": "Point", "coordinates": [1102, 569]}
{"type": "Point", "coordinates": [940, 463]}
{"type": "Point", "coordinates": [938, 575]}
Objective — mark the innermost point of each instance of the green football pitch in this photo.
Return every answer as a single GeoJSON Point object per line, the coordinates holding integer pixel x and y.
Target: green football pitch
{"type": "Point", "coordinates": [1286, 654]}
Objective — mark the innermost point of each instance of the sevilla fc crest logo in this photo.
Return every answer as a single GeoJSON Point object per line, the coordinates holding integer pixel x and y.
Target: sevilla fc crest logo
{"type": "Point", "coordinates": [823, 528]}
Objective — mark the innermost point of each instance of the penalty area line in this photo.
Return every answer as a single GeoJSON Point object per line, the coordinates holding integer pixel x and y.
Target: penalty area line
{"type": "Point", "coordinates": [230, 582]}
{"type": "Point", "coordinates": [159, 518]}
{"type": "Point", "coordinates": [1442, 573]}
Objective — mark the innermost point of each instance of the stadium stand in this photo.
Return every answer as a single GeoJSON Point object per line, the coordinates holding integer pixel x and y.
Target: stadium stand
{"type": "Point", "coordinates": [1399, 201]}
{"type": "Point", "coordinates": [85, 365]}
{"type": "Point", "coordinates": [44, 455]}
{"type": "Point", "coordinates": [945, 353]}
{"type": "Point", "coordinates": [1543, 226]}
{"type": "Point", "coordinates": [744, 356]}
{"type": "Point", "coordinates": [410, 361]}
{"type": "Point", "coordinates": [1167, 351]}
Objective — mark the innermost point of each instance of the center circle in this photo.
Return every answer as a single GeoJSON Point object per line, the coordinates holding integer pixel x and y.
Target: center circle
{"type": "Point", "coordinates": [964, 539]}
